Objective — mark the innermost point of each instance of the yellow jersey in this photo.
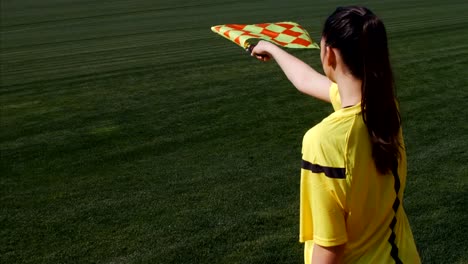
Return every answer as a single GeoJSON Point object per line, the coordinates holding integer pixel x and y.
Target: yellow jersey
{"type": "Point", "coordinates": [345, 200]}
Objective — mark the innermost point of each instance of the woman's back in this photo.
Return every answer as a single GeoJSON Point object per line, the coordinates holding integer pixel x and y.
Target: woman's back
{"type": "Point", "coordinates": [374, 226]}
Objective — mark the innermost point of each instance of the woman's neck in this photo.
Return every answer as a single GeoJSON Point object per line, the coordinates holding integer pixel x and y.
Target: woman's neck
{"type": "Point", "coordinates": [350, 90]}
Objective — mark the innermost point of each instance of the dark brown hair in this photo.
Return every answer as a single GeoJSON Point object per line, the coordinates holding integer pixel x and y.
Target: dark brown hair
{"type": "Point", "coordinates": [361, 38]}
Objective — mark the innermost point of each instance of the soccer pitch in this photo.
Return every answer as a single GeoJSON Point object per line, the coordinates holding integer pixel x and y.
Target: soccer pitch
{"type": "Point", "coordinates": [130, 133]}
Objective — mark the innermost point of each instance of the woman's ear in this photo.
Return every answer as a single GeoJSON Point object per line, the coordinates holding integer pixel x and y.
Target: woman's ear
{"type": "Point", "coordinates": [329, 62]}
{"type": "Point", "coordinates": [331, 58]}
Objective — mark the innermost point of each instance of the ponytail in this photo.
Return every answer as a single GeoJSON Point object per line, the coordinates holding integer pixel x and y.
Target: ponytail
{"type": "Point", "coordinates": [362, 40]}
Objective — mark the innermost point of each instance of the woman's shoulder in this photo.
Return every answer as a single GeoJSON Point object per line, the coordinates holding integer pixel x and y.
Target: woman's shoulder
{"type": "Point", "coordinates": [324, 139]}
{"type": "Point", "coordinates": [331, 135]}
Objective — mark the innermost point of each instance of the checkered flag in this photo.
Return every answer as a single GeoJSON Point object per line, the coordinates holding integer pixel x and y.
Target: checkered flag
{"type": "Point", "coordinates": [284, 34]}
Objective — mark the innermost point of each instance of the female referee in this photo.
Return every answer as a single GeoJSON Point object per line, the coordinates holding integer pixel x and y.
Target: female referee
{"type": "Point", "coordinates": [353, 162]}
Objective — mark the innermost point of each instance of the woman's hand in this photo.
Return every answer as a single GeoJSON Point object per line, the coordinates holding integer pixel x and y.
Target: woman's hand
{"type": "Point", "coordinates": [263, 50]}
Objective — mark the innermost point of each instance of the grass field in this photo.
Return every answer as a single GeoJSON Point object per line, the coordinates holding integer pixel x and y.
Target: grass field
{"type": "Point", "coordinates": [130, 133]}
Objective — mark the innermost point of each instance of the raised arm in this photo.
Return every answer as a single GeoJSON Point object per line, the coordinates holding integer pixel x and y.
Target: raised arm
{"type": "Point", "coordinates": [301, 75]}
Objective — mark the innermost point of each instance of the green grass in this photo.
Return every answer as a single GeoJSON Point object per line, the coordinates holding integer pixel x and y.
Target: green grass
{"type": "Point", "coordinates": [130, 133]}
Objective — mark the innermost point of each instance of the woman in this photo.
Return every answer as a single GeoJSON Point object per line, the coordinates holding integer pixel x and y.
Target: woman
{"type": "Point", "coordinates": [354, 164]}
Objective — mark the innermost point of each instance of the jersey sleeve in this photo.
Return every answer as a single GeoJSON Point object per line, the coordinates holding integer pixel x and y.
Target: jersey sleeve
{"type": "Point", "coordinates": [335, 96]}
{"type": "Point", "coordinates": [323, 196]}
{"type": "Point", "coordinates": [323, 189]}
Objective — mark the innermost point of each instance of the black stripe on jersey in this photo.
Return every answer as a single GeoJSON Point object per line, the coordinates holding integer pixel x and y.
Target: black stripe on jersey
{"type": "Point", "coordinates": [331, 172]}
{"type": "Point", "coordinates": [396, 204]}
{"type": "Point", "coordinates": [391, 240]}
